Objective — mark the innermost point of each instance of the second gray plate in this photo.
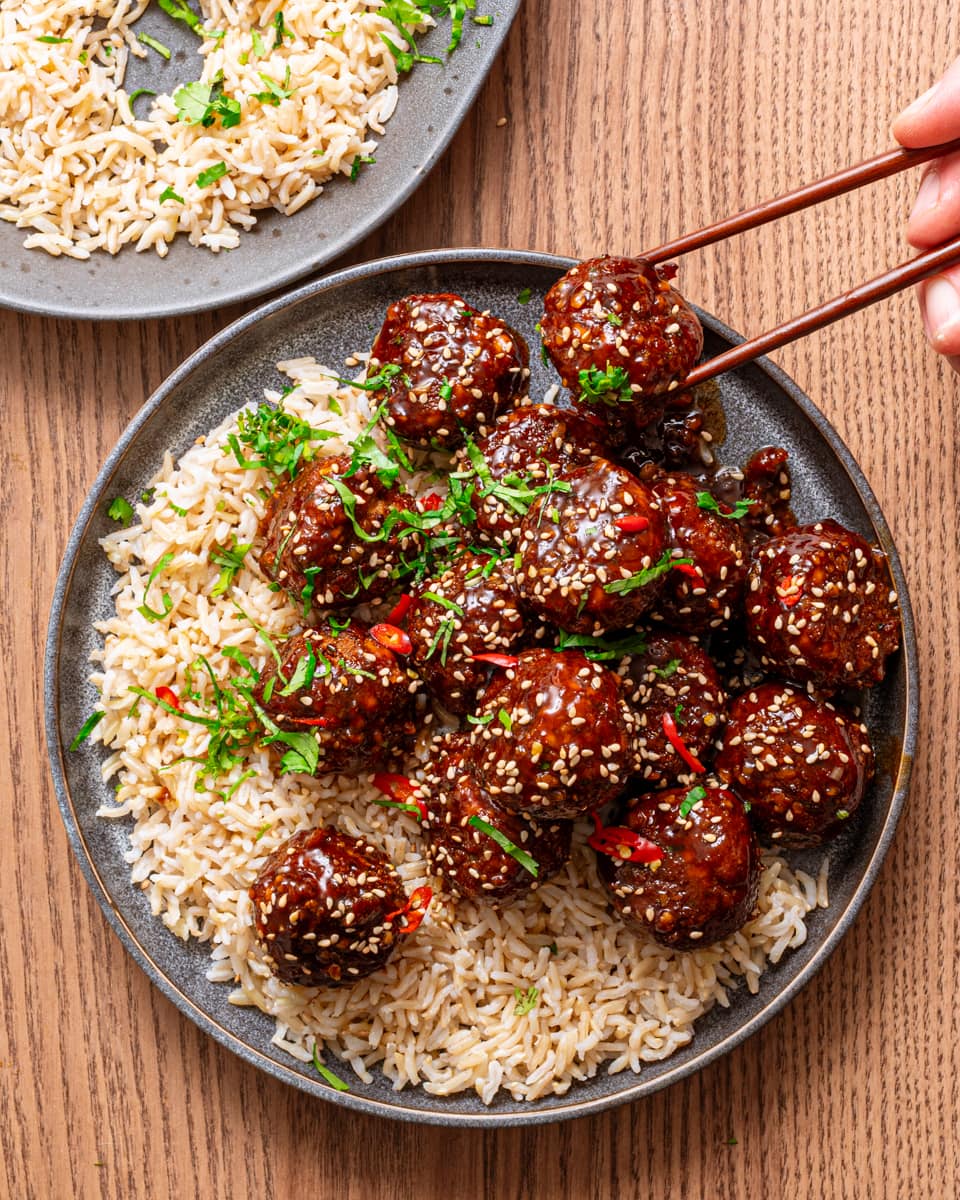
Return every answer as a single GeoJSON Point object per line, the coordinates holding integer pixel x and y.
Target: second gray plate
{"type": "Point", "coordinates": [433, 102]}
{"type": "Point", "coordinates": [330, 319]}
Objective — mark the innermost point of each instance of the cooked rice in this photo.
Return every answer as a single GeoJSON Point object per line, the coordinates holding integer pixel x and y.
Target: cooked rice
{"type": "Point", "coordinates": [442, 1012]}
{"type": "Point", "coordinates": [82, 173]}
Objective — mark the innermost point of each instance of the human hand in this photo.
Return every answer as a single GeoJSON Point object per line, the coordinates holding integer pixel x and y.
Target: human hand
{"type": "Point", "coordinates": [933, 118]}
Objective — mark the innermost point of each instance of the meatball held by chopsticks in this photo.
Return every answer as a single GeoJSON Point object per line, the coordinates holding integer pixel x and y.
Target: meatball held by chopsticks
{"type": "Point", "coordinates": [447, 369]}
{"type": "Point", "coordinates": [620, 335]}
{"type": "Point", "coordinates": [682, 865]}
{"type": "Point", "coordinates": [330, 909]}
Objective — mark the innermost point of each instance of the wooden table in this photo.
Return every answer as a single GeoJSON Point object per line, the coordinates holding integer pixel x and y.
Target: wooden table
{"type": "Point", "coordinates": [627, 120]}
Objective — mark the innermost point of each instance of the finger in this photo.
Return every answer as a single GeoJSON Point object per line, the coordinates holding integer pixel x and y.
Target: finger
{"type": "Point", "coordinates": [940, 308]}
{"type": "Point", "coordinates": [936, 213]}
{"type": "Point", "coordinates": [935, 116]}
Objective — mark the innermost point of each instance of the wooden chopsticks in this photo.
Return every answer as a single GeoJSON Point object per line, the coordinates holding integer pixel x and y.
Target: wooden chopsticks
{"type": "Point", "coordinates": [895, 280]}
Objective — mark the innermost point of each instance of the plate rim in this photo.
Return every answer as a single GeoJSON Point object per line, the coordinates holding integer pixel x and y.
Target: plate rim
{"type": "Point", "coordinates": [208, 1024]}
{"type": "Point", "coordinates": [411, 180]}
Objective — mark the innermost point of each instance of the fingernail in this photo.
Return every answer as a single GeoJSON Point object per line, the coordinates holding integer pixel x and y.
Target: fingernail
{"type": "Point", "coordinates": [928, 196]}
{"type": "Point", "coordinates": [921, 102]}
{"type": "Point", "coordinates": [941, 302]}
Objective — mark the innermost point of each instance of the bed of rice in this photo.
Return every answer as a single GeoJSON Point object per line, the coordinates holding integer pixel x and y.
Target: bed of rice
{"type": "Point", "coordinates": [82, 173]}
{"type": "Point", "coordinates": [442, 1013]}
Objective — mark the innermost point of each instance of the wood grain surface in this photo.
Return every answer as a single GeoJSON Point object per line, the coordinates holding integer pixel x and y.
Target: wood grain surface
{"type": "Point", "coordinates": [628, 121]}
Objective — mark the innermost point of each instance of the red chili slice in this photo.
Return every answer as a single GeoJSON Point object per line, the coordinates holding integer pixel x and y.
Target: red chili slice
{"type": "Point", "coordinates": [431, 502]}
{"type": "Point", "coordinates": [414, 910]}
{"type": "Point", "coordinates": [688, 569]}
{"type": "Point", "coordinates": [621, 843]}
{"type": "Point", "coordinates": [790, 591]}
{"type": "Point", "coordinates": [400, 609]}
{"type": "Point", "coordinates": [401, 790]}
{"type": "Point", "coordinates": [320, 722]}
{"type": "Point", "coordinates": [496, 660]}
{"type": "Point", "coordinates": [677, 742]}
{"type": "Point", "coordinates": [393, 638]}
{"type": "Point", "coordinates": [169, 696]}
{"type": "Point", "coordinates": [632, 523]}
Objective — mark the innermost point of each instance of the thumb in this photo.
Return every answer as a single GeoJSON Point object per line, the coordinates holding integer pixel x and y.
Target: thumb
{"type": "Point", "coordinates": [935, 116]}
{"type": "Point", "coordinates": [940, 308]}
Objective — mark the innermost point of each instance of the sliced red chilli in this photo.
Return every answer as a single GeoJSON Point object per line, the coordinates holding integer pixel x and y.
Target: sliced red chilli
{"type": "Point", "coordinates": [169, 696]}
{"type": "Point", "coordinates": [400, 609]}
{"type": "Point", "coordinates": [688, 569]}
{"type": "Point", "coordinates": [401, 792]}
{"type": "Point", "coordinates": [414, 910]}
{"type": "Point", "coordinates": [632, 523]}
{"type": "Point", "coordinates": [496, 660]}
{"type": "Point", "coordinates": [616, 841]}
{"type": "Point", "coordinates": [319, 722]}
{"type": "Point", "coordinates": [677, 742]}
{"type": "Point", "coordinates": [393, 638]}
{"type": "Point", "coordinates": [430, 502]}
{"type": "Point", "coordinates": [790, 590]}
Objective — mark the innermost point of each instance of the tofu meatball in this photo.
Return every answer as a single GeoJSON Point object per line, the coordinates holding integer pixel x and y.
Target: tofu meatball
{"type": "Point", "coordinates": [526, 447]}
{"type": "Point", "coordinates": [802, 765]}
{"type": "Point", "coordinates": [556, 738]}
{"type": "Point", "coordinates": [451, 369]}
{"type": "Point", "coordinates": [708, 592]}
{"type": "Point", "coordinates": [328, 909]}
{"type": "Point", "coordinates": [821, 608]}
{"type": "Point", "coordinates": [311, 546]}
{"type": "Point", "coordinates": [675, 686]}
{"type": "Point", "coordinates": [348, 688]}
{"type": "Point", "coordinates": [705, 884]}
{"type": "Point", "coordinates": [471, 608]}
{"type": "Point", "coordinates": [465, 855]}
{"type": "Point", "coordinates": [590, 557]}
{"type": "Point", "coordinates": [619, 334]}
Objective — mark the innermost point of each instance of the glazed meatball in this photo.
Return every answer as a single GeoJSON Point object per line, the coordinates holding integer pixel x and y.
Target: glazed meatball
{"type": "Point", "coordinates": [800, 763]}
{"type": "Point", "coordinates": [590, 557]}
{"type": "Point", "coordinates": [709, 591]}
{"type": "Point", "coordinates": [820, 607]}
{"type": "Point", "coordinates": [556, 735]}
{"type": "Point", "coordinates": [705, 885]}
{"type": "Point", "coordinates": [766, 481]}
{"type": "Point", "coordinates": [674, 685]}
{"type": "Point", "coordinates": [327, 909]}
{"type": "Point", "coordinates": [465, 855]}
{"type": "Point", "coordinates": [618, 333]}
{"type": "Point", "coordinates": [471, 608]}
{"type": "Point", "coordinates": [458, 369]}
{"type": "Point", "coordinates": [527, 446]}
{"type": "Point", "coordinates": [310, 544]}
{"type": "Point", "coordinates": [348, 688]}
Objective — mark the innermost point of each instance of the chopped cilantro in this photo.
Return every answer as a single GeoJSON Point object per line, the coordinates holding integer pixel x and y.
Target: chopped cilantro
{"type": "Point", "coordinates": [181, 11]}
{"type": "Point", "coordinates": [668, 670]}
{"type": "Point", "coordinates": [138, 93]}
{"type": "Point", "coordinates": [621, 587]}
{"type": "Point", "coordinates": [609, 386]}
{"type": "Point", "coordinates": [505, 719]}
{"type": "Point", "coordinates": [443, 602]}
{"type": "Point", "coordinates": [326, 1074]}
{"type": "Point", "coordinates": [145, 610]}
{"type": "Point", "coordinates": [160, 48]}
{"type": "Point", "coordinates": [709, 503]}
{"type": "Point", "coordinates": [281, 30]}
{"type": "Point", "coordinates": [693, 797]}
{"type": "Point", "coordinates": [120, 510]}
{"type": "Point", "coordinates": [357, 163]}
{"type": "Point", "coordinates": [53, 41]}
{"type": "Point", "coordinates": [275, 91]}
{"type": "Point", "coordinates": [87, 728]}
{"type": "Point", "coordinates": [169, 194]}
{"type": "Point", "coordinates": [526, 1002]}
{"type": "Point", "coordinates": [202, 103]}
{"type": "Point", "coordinates": [212, 174]}
{"type": "Point", "coordinates": [524, 295]}
{"type": "Point", "coordinates": [229, 559]}
{"type": "Point", "coordinates": [601, 649]}
{"type": "Point", "coordinates": [279, 440]}
{"type": "Point", "coordinates": [523, 858]}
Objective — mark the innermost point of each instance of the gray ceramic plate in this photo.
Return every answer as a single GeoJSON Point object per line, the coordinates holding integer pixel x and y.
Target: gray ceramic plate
{"type": "Point", "coordinates": [433, 102]}
{"type": "Point", "coordinates": [329, 319]}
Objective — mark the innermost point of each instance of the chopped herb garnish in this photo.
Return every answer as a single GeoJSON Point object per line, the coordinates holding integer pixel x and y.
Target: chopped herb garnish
{"type": "Point", "coordinates": [505, 719]}
{"type": "Point", "coordinates": [181, 512]}
{"type": "Point", "coordinates": [258, 47]}
{"type": "Point", "coordinates": [621, 587]}
{"type": "Point", "coordinates": [275, 91]}
{"type": "Point", "coordinates": [614, 319]}
{"type": "Point", "coordinates": [160, 48]}
{"type": "Point", "coordinates": [357, 163]}
{"type": "Point", "coordinates": [526, 1002]}
{"type": "Point", "coordinates": [677, 712]}
{"type": "Point", "coordinates": [169, 194]}
{"type": "Point", "coordinates": [145, 610]}
{"type": "Point", "coordinates": [303, 674]}
{"type": "Point", "coordinates": [485, 720]}
{"type": "Point", "coordinates": [516, 492]}
{"type": "Point", "coordinates": [120, 510]}
{"type": "Point", "coordinates": [523, 858]}
{"type": "Point", "coordinates": [842, 814]}
{"type": "Point", "coordinates": [524, 295]}
{"type": "Point", "coordinates": [229, 559]}
{"type": "Point", "coordinates": [601, 649]}
{"type": "Point", "coordinates": [138, 93]}
{"type": "Point", "coordinates": [212, 174]}
{"type": "Point", "coordinates": [668, 670]}
{"type": "Point", "coordinates": [281, 30]}
{"type": "Point", "coordinates": [441, 639]}
{"type": "Point", "coordinates": [609, 386]}
{"type": "Point", "coordinates": [693, 797]}
{"type": "Point", "coordinates": [326, 1074]}
{"type": "Point", "coordinates": [262, 831]}
{"type": "Point", "coordinates": [280, 441]}
{"type": "Point", "coordinates": [553, 948]}
{"type": "Point", "coordinates": [202, 103]}
{"type": "Point", "coordinates": [709, 503]}
{"type": "Point", "coordinates": [374, 383]}
{"type": "Point", "coordinates": [443, 602]}
{"type": "Point", "coordinates": [87, 728]}
{"type": "Point", "coordinates": [53, 41]}
{"type": "Point", "coordinates": [181, 11]}
{"type": "Point", "coordinates": [485, 20]}
{"type": "Point", "coordinates": [446, 390]}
